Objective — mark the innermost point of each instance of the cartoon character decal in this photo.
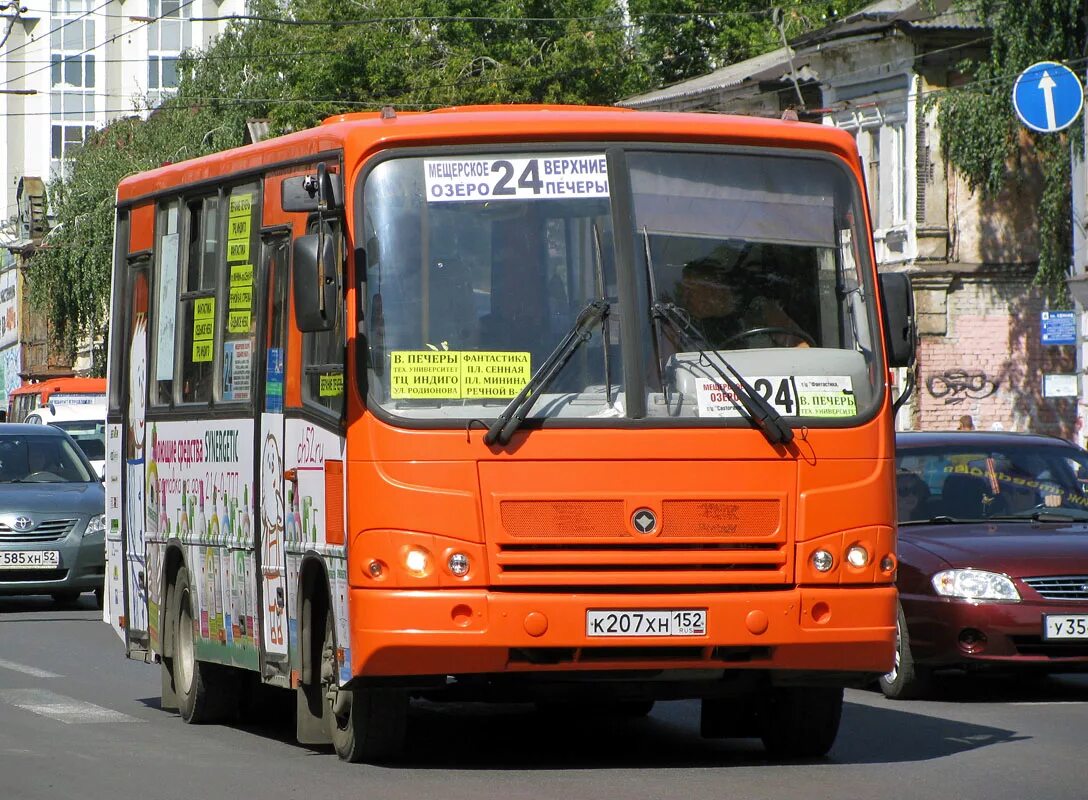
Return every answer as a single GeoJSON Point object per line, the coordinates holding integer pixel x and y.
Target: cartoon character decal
{"type": "Point", "coordinates": [272, 549]}
{"type": "Point", "coordinates": [135, 508]}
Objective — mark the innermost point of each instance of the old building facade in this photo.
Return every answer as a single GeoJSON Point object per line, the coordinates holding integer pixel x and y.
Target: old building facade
{"type": "Point", "coordinates": [876, 74]}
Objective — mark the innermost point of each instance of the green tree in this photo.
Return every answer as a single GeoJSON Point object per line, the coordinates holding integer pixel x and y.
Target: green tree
{"type": "Point", "coordinates": [69, 275]}
{"type": "Point", "coordinates": [681, 39]}
{"type": "Point", "coordinates": [982, 137]}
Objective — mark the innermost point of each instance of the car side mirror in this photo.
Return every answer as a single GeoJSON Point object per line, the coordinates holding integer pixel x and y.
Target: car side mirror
{"type": "Point", "coordinates": [897, 299]}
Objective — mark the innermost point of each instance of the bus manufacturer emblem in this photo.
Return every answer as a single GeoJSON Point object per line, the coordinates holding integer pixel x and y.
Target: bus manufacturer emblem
{"type": "Point", "coordinates": [644, 520]}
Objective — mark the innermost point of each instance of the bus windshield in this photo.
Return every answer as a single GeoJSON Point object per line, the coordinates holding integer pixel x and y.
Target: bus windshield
{"type": "Point", "coordinates": [479, 265]}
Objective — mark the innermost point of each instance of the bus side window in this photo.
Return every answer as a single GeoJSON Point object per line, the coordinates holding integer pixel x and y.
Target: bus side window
{"type": "Point", "coordinates": [323, 353]}
{"type": "Point", "coordinates": [198, 301]}
{"type": "Point", "coordinates": [164, 333]}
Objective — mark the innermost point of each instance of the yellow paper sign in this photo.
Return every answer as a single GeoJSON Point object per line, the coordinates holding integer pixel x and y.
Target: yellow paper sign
{"type": "Point", "coordinates": [331, 384]}
{"type": "Point", "coordinates": [241, 204]}
{"type": "Point", "coordinates": [241, 297]}
{"type": "Point", "coordinates": [238, 250]}
{"type": "Point", "coordinates": [203, 328]}
{"type": "Point", "coordinates": [457, 375]}
{"type": "Point", "coordinates": [241, 275]}
{"type": "Point", "coordinates": [238, 228]}
{"type": "Point", "coordinates": [238, 321]}
{"type": "Point", "coordinates": [202, 351]}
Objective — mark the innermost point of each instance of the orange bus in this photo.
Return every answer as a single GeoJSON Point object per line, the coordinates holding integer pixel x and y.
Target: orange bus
{"type": "Point", "coordinates": [67, 391]}
{"type": "Point", "coordinates": [585, 407]}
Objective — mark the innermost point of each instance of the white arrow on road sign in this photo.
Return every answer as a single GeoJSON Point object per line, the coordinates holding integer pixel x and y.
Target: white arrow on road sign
{"type": "Point", "coordinates": [1048, 97]}
{"type": "Point", "coordinates": [1047, 84]}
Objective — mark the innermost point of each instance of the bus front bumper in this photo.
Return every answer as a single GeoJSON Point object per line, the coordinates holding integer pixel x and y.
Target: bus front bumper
{"type": "Point", "coordinates": [463, 631]}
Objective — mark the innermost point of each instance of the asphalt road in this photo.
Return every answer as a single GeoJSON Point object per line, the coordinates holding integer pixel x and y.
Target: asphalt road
{"type": "Point", "coordinates": [78, 720]}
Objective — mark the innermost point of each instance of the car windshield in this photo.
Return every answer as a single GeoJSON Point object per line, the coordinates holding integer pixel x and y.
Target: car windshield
{"type": "Point", "coordinates": [477, 267]}
{"type": "Point", "coordinates": [90, 435]}
{"type": "Point", "coordinates": [968, 482]}
{"type": "Point", "coordinates": [33, 458]}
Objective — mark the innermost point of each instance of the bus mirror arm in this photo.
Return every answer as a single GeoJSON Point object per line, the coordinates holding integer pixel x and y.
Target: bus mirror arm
{"type": "Point", "coordinates": [311, 192]}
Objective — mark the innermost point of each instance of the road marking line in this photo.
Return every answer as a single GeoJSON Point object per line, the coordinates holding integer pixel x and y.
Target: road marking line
{"type": "Point", "coordinates": [32, 671]}
{"type": "Point", "coordinates": [61, 708]}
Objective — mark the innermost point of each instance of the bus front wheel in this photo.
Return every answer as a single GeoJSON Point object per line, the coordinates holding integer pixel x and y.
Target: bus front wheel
{"type": "Point", "coordinates": [800, 721]}
{"type": "Point", "coordinates": [202, 689]}
{"type": "Point", "coordinates": [366, 723]}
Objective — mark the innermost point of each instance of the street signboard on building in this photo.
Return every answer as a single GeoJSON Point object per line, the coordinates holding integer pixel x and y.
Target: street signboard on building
{"type": "Point", "coordinates": [1058, 327]}
{"type": "Point", "coordinates": [1060, 386]}
{"type": "Point", "coordinates": [1048, 97]}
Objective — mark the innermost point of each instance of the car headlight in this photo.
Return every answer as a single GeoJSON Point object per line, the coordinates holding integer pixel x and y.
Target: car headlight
{"type": "Point", "coordinates": [975, 584]}
{"type": "Point", "coordinates": [96, 525]}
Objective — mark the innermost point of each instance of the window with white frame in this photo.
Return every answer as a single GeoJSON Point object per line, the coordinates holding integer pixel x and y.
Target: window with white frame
{"type": "Point", "coordinates": [72, 77]}
{"type": "Point", "coordinates": [167, 38]}
{"type": "Point", "coordinates": [881, 134]}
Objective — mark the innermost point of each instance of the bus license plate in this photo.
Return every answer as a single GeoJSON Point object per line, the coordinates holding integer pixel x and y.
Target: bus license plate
{"type": "Point", "coordinates": [646, 622]}
{"type": "Point", "coordinates": [1065, 626]}
{"type": "Point", "coordinates": [29, 559]}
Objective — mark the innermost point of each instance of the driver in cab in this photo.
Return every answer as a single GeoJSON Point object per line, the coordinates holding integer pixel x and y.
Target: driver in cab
{"type": "Point", "coordinates": [719, 309]}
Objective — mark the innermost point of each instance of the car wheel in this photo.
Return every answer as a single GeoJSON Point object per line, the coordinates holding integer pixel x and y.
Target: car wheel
{"type": "Point", "coordinates": [906, 680]}
{"type": "Point", "coordinates": [800, 721]}
{"type": "Point", "coordinates": [367, 723]}
{"type": "Point", "coordinates": [203, 689]}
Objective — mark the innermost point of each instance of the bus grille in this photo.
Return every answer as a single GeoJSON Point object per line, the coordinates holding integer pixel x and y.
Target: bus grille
{"type": "Point", "coordinates": [591, 542]}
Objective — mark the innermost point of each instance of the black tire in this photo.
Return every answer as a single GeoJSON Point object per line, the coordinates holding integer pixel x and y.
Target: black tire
{"type": "Point", "coordinates": [65, 598]}
{"type": "Point", "coordinates": [800, 721]}
{"type": "Point", "coordinates": [906, 680]}
{"type": "Point", "coordinates": [372, 723]}
{"type": "Point", "coordinates": [204, 691]}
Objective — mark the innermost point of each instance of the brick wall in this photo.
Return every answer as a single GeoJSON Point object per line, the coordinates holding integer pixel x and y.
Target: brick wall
{"type": "Point", "coordinates": [990, 362]}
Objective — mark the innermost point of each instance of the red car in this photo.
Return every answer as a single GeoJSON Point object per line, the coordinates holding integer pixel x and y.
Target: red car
{"type": "Point", "coordinates": [993, 555]}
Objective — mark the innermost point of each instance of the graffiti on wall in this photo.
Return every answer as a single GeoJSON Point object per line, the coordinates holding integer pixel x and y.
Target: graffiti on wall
{"type": "Point", "coordinates": [955, 386]}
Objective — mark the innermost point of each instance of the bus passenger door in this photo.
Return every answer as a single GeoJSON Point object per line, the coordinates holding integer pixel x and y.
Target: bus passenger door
{"type": "Point", "coordinates": [271, 546]}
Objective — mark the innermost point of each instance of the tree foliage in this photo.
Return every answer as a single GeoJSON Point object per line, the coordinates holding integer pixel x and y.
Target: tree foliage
{"type": "Point", "coordinates": [982, 137]}
{"type": "Point", "coordinates": [681, 39]}
{"type": "Point", "coordinates": [294, 62]}
{"type": "Point", "coordinates": [69, 275]}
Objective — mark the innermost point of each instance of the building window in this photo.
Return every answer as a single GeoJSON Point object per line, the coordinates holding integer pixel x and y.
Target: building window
{"type": "Point", "coordinates": [167, 38]}
{"type": "Point", "coordinates": [72, 78]}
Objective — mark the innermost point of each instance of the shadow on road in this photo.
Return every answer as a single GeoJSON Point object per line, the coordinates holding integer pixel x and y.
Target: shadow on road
{"type": "Point", "coordinates": [40, 604]}
{"type": "Point", "coordinates": [483, 737]}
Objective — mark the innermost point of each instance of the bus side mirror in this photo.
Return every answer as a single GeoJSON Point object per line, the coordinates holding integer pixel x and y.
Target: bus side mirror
{"type": "Point", "coordinates": [314, 282]}
{"type": "Point", "coordinates": [897, 297]}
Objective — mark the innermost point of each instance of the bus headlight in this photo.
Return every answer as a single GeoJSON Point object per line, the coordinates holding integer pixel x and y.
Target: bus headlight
{"type": "Point", "coordinates": [823, 561]}
{"type": "Point", "coordinates": [417, 562]}
{"type": "Point", "coordinates": [458, 565]}
{"type": "Point", "coordinates": [857, 556]}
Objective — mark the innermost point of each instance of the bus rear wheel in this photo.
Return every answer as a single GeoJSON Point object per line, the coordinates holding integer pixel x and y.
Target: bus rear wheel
{"type": "Point", "coordinates": [203, 690]}
{"type": "Point", "coordinates": [365, 724]}
{"type": "Point", "coordinates": [800, 721]}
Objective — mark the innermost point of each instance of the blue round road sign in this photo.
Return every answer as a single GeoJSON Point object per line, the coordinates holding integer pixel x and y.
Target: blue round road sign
{"type": "Point", "coordinates": [1048, 97]}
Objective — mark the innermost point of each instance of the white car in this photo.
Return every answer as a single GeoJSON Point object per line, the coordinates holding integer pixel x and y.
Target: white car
{"type": "Point", "coordinates": [84, 422]}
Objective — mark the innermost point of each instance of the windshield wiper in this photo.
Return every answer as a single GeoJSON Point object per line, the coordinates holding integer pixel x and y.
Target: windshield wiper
{"type": "Point", "coordinates": [1043, 515]}
{"type": "Point", "coordinates": [760, 413]}
{"type": "Point", "coordinates": [511, 417]}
